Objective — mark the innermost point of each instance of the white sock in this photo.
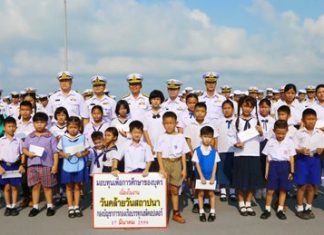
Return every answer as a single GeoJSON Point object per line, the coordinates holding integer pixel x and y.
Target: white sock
{"type": "Point", "coordinates": [76, 207]}
{"type": "Point", "coordinates": [195, 201]}
{"type": "Point", "coordinates": [49, 205]}
{"type": "Point", "coordinates": [201, 211]}
{"type": "Point", "coordinates": [308, 207]}
{"type": "Point", "coordinates": [248, 204]}
{"type": "Point", "coordinates": [8, 206]}
{"type": "Point", "coordinates": [70, 207]}
{"type": "Point", "coordinates": [300, 208]}
{"type": "Point", "coordinates": [232, 190]}
{"type": "Point", "coordinates": [206, 201]}
{"type": "Point", "coordinates": [36, 206]}
{"type": "Point", "coordinates": [212, 211]}
{"type": "Point", "coordinates": [268, 208]}
{"type": "Point", "coordinates": [13, 205]}
{"type": "Point", "coordinates": [241, 204]}
{"type": "Point", "coordinates": [280, 208]}
{"type": "Point", "coordinates": [223, 191]}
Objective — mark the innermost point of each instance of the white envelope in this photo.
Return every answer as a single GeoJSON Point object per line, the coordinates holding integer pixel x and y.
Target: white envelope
{"type": "Point", "coordinates": [74, 149]}
{"type": "Point", "coordinates": [37, 150]}
{"type": "Point", "coordinates": [11, 174]}
{"type": "Point", "coordinates": [206, 186]}
{"type": "Point", "coordinates": [319, 124]}
{"type": "Point", "coordinates": [247, 135]}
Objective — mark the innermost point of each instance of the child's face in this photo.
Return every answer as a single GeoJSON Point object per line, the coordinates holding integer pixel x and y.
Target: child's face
{"type": "Point", "coordinates": [310, 121]}
{"type": "Point", "coordinates": [289, 95]}
{"type": "Point", "coordinates": [247, 109]}
{"type": "Point", "coordinates": [97, 115]}
{"type": "Point", "coordinates": [10, 129]}
{"type": "Point", "coordinates": [191, 102]}
{"type": "Point", "coordinates": [200, 113]}
{"type": "Point", "coordinates": [109, 138]}
{"type": "Point", "coordinates": [99, 143]}
{"type": "Point", "coordinates": [169, 124]}
{"type": "Point", "coordinates": [61, 118]}
{"type": "Point", "coordinates": [228, 111]}
{"type": "Point", "coordinates": [280, 133]}
{"type": "Point", "coordinates": [155, 102]}
{"type": "Point", "coordinates": [136, 134]}
{"type": "Point", "coordinates": [25, 112]}
{"type": "Point", "coordinates": [72, 129]}
{"type": "Point", "coordinates": [206, 139]}
{"type": "Point", "coordinates": [320, 94]}
{"type": "Point", "coordinates": [122, 111]}
{"type": "Point", "coordinates": [283, 116]}
{"type": "Point", "coordinates": [40, 126]}
{"type": "Point", "coordinates": [264, 109]}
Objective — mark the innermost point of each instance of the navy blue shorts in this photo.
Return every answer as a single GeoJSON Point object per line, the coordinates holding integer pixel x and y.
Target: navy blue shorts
{"type": "Point", "coordinates": [308, 170]}
{"type": "Point", "coordinates": [278, 176]}
{"type": "Point", "coordinates": [11, 181]}
{"type": "Point", "coordinates": [225, 169]}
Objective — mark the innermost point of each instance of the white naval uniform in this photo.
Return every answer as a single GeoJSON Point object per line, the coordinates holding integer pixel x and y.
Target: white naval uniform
{"type": "Point", "coordinates": [137, 106]}
{"type": "Point", "coordinates": [108, 105]}
{"type": "Point", "coordinates": [176, 106]}
{"type": "Point", "coordinates": [214, 105]}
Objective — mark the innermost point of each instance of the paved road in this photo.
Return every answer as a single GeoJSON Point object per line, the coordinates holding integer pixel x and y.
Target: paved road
{"type": "Point", "coordinates": [228, 222]}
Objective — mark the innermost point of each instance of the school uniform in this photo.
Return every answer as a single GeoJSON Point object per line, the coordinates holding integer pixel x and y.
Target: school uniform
{"type": "Point", "coordinates": [185, 118]}
{"type": "Point", "coordinates": [136, 155]}
{"type": "Point", "coordinates": [279, 154]}
{"type": "Point", "coordinates": [58, 131]}
{"type": "Point", "coordinates": [122, 126]}
{"type": "Point", "coordinates": [308, 169]}
{"type": "Point", "coordinates": [24, 128]}
{"type": "Point", "coordinates": [206, 158]}
{"type": "Point", "coordinates": [108, 106]}
{"type": "Point", "coordinates": [247, 173]}
{"type": "Point", "coordinates": [91, 127]}
{"type": "Point", "coordinates": [319, 110]}
{"type": "Point", "coordinates": [74, 169]}
{"type": "Point", "coordinates": [172, 147]}
{"type": "Point", "coordinates": [10, 153]}
{"type": "Point", "coordinates": [13, 110]}
{"type": "Point", "coordinates": [296, 110]}
{"type": "Point", "coordinates": [226, 151]}
{"type": "Point", "coordinates": [3, 108]}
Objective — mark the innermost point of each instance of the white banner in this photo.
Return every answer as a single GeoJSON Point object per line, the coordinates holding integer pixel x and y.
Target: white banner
{"type": "Point", "coordinates": [129, 201]}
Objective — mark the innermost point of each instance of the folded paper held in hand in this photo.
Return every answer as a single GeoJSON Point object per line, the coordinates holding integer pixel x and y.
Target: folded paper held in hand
{"type": "Point", "coordinates": [74, 149]}
{"type": "Point", "coordinates": [38, 151]}
{"type": "Point", "coordinates": [247, 135]}
{"type": "Point", "coordinates": [11, 174]}
{"type": "Point", "coordinates": [206, 186]}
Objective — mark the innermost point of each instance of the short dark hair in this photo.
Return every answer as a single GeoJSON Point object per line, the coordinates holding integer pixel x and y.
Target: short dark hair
{"type": "Point", "coordinates": [136, 125]}
{"type": "Point", "coordinates": [308, 112]}
{"type": "Point", "coordinates": [40, 116]}
{"type": "Point", "coordinates": [207, 130]}
{"type": "Point", "coordinates": [265, 101]}
{"type": "Point", "coordinates": [96, 135]}
{"type": "Point", "coordinates": [280, 124]}
{"type": "Point", "coordinates": [112, 130]}
{"type": "Point", "coordinates": [169, 114]}
{"type": "Point", "coordinates": [122, 103]}
{"type": "Point", "coordinates": [99, 107]}
{"type": "Point", "coordinates": [191, 95]}
{"type": "Point", "coordinates": [290, 86]}
{"type": "Point", "coordinates": [156, 94]}
{"type": "Point", "coordinates": [318, 87]}
{"type": "Point", "coordinates": [228, 102]}
{"type": "Point", "coordinates": [26, 104]}
{"type": "Point", "coordinates": [9, 120]}
{"type": "Point", "coordinates": [73, 120]}
{"type": "Point", "coordinates": [284, 109]}
{"type": "Point", "coordinates": [61, 110]}
{"type": "Point", "coordinates": [201, 105]}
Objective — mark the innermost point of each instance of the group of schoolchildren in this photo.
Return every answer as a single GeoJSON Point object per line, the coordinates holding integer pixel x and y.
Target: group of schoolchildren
{"type": "Point", "coordinates": [181, 148]}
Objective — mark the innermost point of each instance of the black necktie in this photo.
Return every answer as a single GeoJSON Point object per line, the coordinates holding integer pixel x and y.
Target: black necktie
{"type": "Point", "coordinates": [96, 161]}
{"type": "Point", "coordinates": [229, 123]}
{"type": "Point", "coordinates": [247, 124]}
{"type": "Point", "coordinates": [264, 124]}
{"type": "Point", "coordinates": [191, 114]}
{"type": "Point", "coordinates": [155, 116]}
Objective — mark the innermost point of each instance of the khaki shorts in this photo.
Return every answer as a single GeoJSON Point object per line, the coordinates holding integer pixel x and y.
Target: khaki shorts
{"type": "Point", "coordinates": [173, 170]}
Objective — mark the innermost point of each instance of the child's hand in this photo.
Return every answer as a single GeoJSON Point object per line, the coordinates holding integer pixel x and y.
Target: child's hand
{"type": "Point", "coordinates": [305, 151]}
{"type": "Point", "coordinates": [115, 173]}
{"type": "Point", "coordinates": [212, 180]}
{"type": "Point", "coordinates": [21, 169]}
{"type": "Point", "coordinates": [78, 154]}
{"type": "Point", "coordinates": [259, 129]}
{"type": "Point", "coordinates": [184, 174]}
{"type": "Point", "coordinates": [203, 180]}
{"type": "Point", "coordinates": [123, 133]}
{"type": "Point", "coordinates": [66, 155]}
{"type": "Point", "coordinates": [2, 171]}
{"type": "Point", "coordinates": [30, 154]}
{"type": "Point", "coordinates": [319, 151]}
{"type": "Point", "coordinates": [163, 173]}
{"type": "Point", "coordinates": [290, 177]}
{"type": "Point", "coordinates": [145, 173]}
{"type": "Point", "coordinates": [266, 176]}
{"type": "Point", "coordinates": [239, 145]}
{"type": "Point", "coordinates": [54, 170]}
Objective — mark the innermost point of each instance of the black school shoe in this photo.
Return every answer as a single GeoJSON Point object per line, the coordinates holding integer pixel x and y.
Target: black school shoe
{"type": "Point", "coordinates": [250, 211]}
{"type": "Point", "coordinates": [7, 212]}
{"type": "Point", "coordinates": [195, 208]}
{"type": "Point", "coordinates": [310, 214]}
{"type": "Point", "coordinates": [33, 212]}
{"type": "Point", "coordinates": [202, 217]}
{"type": "Point", "coordinates": [206, 207]}
{"type": "Point", "coordinates": [78, 212]}
{"type": "Point", "coordinates": [223, 197]}
{"type": "Point", "coordinates": [281, 215]}
{"type": "Point", "coordinates": [211, 217]}
{"type": "Point", "coordinates": [302, 215]}
{"type": "Point", "coordinates": [50, 211]}
{"type": "Point", "coordinates": [71, 213]}
{"type": "Point", "coordinates": [265, 215]}
{"type": "Point", "coordinates": [14, 211]}
{"type": "Point", "coordinates": [243, 211]}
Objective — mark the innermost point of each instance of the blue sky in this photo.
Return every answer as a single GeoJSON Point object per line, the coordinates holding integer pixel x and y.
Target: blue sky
{"type": "Point", "coordinates": [249, 42]}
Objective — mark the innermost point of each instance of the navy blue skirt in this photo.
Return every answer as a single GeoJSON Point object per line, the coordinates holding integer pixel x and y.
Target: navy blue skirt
{"type": "Point", "coordinates": [75, 177]}
{"type": "Point", "coordinates": [247, 173]}
{"type": "Point", "coordinates": [11, 181]}
{"type": "Point", "coordinates": [225, 169]}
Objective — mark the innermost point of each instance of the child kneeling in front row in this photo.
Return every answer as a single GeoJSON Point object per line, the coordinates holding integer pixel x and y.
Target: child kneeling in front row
{"type": "Point", "coordinates": [279, 171]}
{"type": "Point", "coordinates": [206, 158]}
